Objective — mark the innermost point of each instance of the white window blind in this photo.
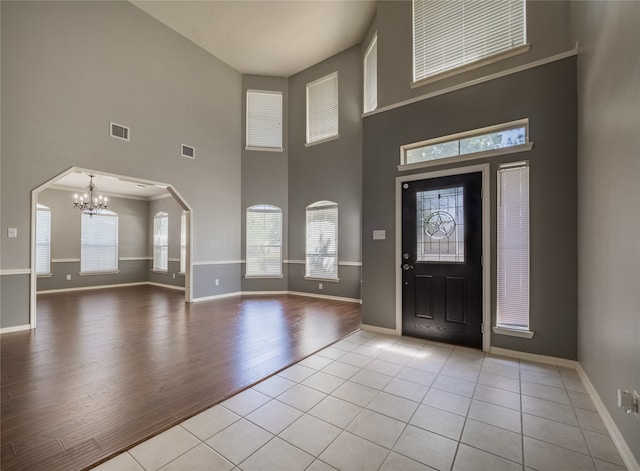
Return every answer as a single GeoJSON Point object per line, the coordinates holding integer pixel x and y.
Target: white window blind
{"type": "Point", "coordinates": [99, 242]}
{"type": "Point", "coordinates": [183, 242]}
{"type": "Point", "coordinates": [264, 119]}
{"type": "Point", "coordinates": [161, 241]}
{"type": "Point", "coordinates": [43, 239]}
{"type": "Point", "coordinates": [264, 241]}
{"type": "Point", "coordinates": [322, 108]}
{"type": "Point", "coordinates": [371, 76]}
{"type": "Point", "coordinates": [452, 33]}
{"type": "Point", "coordinates": [322, 241]}
{"type": "Point", "coordinates": [513, 246]}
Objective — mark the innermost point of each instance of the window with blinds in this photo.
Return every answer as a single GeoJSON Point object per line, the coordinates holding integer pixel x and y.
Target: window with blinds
{"type": "Point", "coordinates": [322, 109]}
{"type": "Point", "coordinates": [322, 241]}
{"type": "Point", "coordinates": [453, 33]}
{"type": "Point", "coordinates": [264, 241]}
{"type": "Point", "coordinates": [513, 246]}
{"type": "Point", "coordinates": [161, 241]}
{"type": "Point", "coordinates": [99, 242]}
{"type": "Point", "coordinates": [371, 76]}
{"type": "Point", "coordinates": [264, 120]}
{"type": "Point", "coordinates": [183, 242]}
{"type": "Point", "coordinates": [43, 240]}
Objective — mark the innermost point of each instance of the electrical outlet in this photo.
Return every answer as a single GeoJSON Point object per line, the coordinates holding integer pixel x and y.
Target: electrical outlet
{"type": "Point", "coordinates": [319, 285]}
{"type": "Point", "coordinates": [174, 276]}
{"type": "Point", "coordinates": [217, 282]}
{"type": "Point", "coordinates": [68, 277]}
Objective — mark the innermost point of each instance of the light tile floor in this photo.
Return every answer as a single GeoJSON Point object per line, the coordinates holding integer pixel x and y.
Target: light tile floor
{"type": "Point", "coordinates": [376, 402]}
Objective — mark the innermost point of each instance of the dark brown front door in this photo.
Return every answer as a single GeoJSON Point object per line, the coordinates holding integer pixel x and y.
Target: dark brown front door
{"type": "Point", "coordinates": [442, 259]}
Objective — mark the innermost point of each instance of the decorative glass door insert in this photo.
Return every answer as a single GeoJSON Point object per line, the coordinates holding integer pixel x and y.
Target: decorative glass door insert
{"type": "Point", "coordinates": [440, 225]}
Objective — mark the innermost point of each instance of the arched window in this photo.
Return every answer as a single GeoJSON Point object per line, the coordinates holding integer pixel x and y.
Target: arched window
{"type": "Point", "coordinates": [43, 240]}
{"type": "Point", "coordinates": [99, 242]}
{"type": "Point", "coordinates": [161, 241]}
{"type": "Point", "coordinates": [322, 241]}
{"type": "Point", "coordinates": [264, 241]}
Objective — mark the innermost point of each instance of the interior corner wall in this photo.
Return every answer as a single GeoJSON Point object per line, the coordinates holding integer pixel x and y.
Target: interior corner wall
{"type": "Point", "coordinates": [609, 203]}
{"type": "Point", "coordinates": [265, 177]}
{"type": "Point", "coordinates": [68, 69]}
{"type": "Point", "coordinates": [328, 171]}
{"type": "Point", "coordinates": [547, 96]}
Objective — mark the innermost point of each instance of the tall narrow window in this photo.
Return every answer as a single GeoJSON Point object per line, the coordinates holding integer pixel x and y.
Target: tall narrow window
{"type": "Point", "coordinates": [322, 109]}
{"type": "Point", "coordinates": [43, 240]}
{"type": "Point", "coordinates": [264, 241]}
{"type": "Point", "coordinates": [99, 243]}
{"type": "Point", "coordinates": [161, 241]}
{"type": "Point", "coordinates": [264, 120]}
{"type": "Point", "coordinates": [183, 242]}
{"type": "Point", "coordinates": [322, 241]}
{"type": "Point", "coordinates": [513, 247]}
{"type": "Point", "coordinates": [448, 34]}
{"type": "Point", "coordinates": [371, 76]}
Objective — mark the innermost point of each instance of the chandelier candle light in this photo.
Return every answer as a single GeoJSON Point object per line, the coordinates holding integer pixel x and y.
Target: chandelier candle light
{"type": "Point", "coordinates": [90, 203]}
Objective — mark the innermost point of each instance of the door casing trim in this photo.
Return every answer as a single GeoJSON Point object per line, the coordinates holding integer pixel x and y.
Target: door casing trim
{"type": "Point", "coordinates": [486, 241]}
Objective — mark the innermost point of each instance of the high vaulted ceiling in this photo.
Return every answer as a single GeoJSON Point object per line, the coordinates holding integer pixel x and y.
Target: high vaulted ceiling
{"type": "Point", "coordinates": [277, 38]}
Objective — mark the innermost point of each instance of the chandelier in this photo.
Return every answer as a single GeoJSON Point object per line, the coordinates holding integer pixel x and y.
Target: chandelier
{"type": "Point", "coordinates": [90, 203]}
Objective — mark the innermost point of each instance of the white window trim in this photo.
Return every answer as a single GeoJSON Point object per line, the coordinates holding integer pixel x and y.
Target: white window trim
{"type": "Point", "coordinates": [44, 209]}
{"type": "Point", "coordinates": [266, 276]}
{"type": "Point", "coordinates": [503, 329]}
{"type": "Point", "coordinates": [516, 51]}
{"type": "Point", "coordinates": [527, 146]}
{"type": "Point", "coordinates": [331, 76]}
{"type": "Point", "coordinates": [318, 205]}
{"type": "Point", "coordinates": [265, 148]}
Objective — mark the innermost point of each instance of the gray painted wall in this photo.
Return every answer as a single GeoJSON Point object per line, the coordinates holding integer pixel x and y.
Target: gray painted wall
{"type": "Point", "coordinates": [547, 96]}
{"type": "Point", "coordinates": [327, 171]}
{"type": "Point", "coordinates": [609, 202]}
{"type": "Point", "coordinates": [65, 241]}
{"type": "Point", "coordinates": [68, 68]}
{"type": "Point", "coordinates": [547, 31]}
{"type": "Point", "coordinates": [265, 178]}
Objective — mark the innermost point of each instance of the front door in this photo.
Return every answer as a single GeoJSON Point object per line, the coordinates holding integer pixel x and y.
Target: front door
{"type": "Point", "coordinates": [442, 259]}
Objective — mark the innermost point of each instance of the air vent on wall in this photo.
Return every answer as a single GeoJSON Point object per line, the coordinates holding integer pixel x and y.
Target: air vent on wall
{"type": "Point", "coordinates": [119, 132]}
{"type": "Point", "coordinates": [188, 151]}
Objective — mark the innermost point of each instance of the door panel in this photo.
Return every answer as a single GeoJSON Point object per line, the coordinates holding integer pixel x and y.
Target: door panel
{"type": "Point", "coordinates": [442, 254]}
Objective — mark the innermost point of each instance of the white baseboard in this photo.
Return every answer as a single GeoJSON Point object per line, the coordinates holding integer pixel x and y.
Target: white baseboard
{"type": "Point", "coordinates": [623, 448]}
{"type": "Point", "coordinates": [162, 285]}
{"type": "Point", "coordinates": [380, 330]}
{"type": "Point", "coordinates": [325, 296]}
{"type": "Point", "coordinates": [534, 357]}
{"type": "Point", "coordinates": [216, 296]}
{"type": "Point", "coordinates": [264, 293]}
{"type": "Point", "coordinates": [85, 288]}
{"type": "Point", "coordinates": [16, 328]}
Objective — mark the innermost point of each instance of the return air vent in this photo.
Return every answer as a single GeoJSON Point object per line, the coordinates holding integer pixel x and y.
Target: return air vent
{"type": "Point", "coordinates": [188, 151]}
{"type": "Point", "coordinates": [119, 132]}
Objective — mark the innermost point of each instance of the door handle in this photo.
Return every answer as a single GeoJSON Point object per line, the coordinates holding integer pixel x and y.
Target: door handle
{"type": "Point", "coordinates": [407, 267]}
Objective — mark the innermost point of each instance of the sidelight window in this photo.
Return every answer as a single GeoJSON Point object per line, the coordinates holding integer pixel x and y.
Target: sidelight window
{"type": "Point", "coordinates": [322, 241]}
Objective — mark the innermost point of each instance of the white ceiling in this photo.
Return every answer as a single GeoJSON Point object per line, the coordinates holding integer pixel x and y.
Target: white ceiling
{"type": "Point", "coordinates": [265, 37]}
{"type": "Point", "coordinates": [110, 186]}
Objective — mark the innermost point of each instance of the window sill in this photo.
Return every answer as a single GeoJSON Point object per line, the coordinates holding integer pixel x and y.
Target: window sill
{"type": "Point", "coordinates": [264, 149]}
{"type": "Point", "coordinates": [91, 273]}
{"type": "Point", "coordinates": [473, 65]}
{"type": "Point", "coordinates": [525, 334]}
{"type": "Point", "coordinates": [262, 277]}
{"type": "Point", "coordinates": [44, 275]}
{"type": "Point", "coordinates": [313, 278]}
{"type": "Point", "coordinates": [164, 272]}
{"type": "Point", "coordinates": [322, 141]}
{"type": "Point", "coordinates": [461, 158]}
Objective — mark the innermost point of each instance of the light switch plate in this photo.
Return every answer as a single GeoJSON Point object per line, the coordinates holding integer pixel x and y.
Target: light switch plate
{"type": "Point", "coordinates": [379, 234]}
{"type": "Point", "coordinates": [12, 232]}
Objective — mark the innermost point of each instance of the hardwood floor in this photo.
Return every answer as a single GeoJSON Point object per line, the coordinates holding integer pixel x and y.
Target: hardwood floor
{"type": "Point", "coordinates": [109, 368]}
